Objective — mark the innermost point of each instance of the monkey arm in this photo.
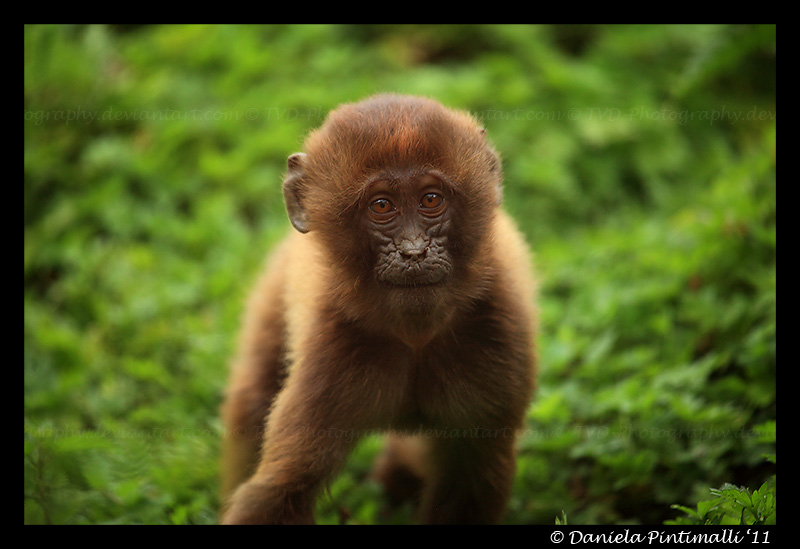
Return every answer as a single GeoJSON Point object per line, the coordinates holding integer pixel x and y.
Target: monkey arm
{"type": "Point", "coordinates": [303, 447]}
{"type": "Point", "coordinates": [471, 477]}
{"type": "Point", "coordinates": [330, 400]}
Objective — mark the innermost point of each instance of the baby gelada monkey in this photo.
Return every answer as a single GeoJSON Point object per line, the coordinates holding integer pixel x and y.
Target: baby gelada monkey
{"type": "Point", "coordinates": [403, 302]}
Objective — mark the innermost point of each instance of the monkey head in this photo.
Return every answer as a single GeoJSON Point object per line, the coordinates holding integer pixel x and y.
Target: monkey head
{"type": "Point", "coordinates": [401, 193]}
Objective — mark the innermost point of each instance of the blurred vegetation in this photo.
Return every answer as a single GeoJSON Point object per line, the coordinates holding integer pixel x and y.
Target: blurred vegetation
{"type": "Point", "coordinates": [639, 161]}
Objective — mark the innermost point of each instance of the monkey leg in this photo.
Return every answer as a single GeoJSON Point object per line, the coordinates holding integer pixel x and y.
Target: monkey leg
{"type": "Point", "coordinates": [256, 378]}
{"type": "Point", "coordinates": [470, 479]}
{"type": "Point", "coordinates": [400, 468]}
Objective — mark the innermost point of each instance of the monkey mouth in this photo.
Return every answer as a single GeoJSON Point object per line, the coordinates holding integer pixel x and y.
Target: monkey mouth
{"type": "Point", "coordinates": [410, 275]}
{"type": "Point", "coordinates": [407, 281]}
{"type": "Point", "coordinates": [412, 285]}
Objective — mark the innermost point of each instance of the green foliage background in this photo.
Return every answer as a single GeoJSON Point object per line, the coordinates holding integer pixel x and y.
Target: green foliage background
{"type": "Point", "coordinates": [639, 161]}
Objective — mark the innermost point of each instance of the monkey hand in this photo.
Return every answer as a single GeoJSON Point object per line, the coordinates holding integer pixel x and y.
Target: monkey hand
{"type": "Point", "coordinates": [255, 502]}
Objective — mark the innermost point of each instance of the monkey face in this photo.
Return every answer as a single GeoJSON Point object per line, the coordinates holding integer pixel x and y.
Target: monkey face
{"type": "Point", "coordinates": [407, 219]}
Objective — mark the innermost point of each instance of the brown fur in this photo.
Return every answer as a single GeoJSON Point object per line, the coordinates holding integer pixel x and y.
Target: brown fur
{"type": "Point", "coordinates": [329, 354]}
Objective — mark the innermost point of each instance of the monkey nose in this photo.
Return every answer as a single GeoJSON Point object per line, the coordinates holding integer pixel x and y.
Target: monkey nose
{"type": "Point", "coordinates": [411, 252]}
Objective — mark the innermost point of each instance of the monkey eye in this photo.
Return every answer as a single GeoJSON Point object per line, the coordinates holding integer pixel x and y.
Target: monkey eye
{"type": "Point", "coordinates": [431, 202]}
{"type": "Point", "coordinates": [382, 206]}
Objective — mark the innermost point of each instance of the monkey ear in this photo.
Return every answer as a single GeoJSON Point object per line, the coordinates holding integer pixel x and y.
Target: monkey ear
{"type": "Point", "coordinates": [293, 192]}
{"type": "Point", "coordinates": [496, 167]}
